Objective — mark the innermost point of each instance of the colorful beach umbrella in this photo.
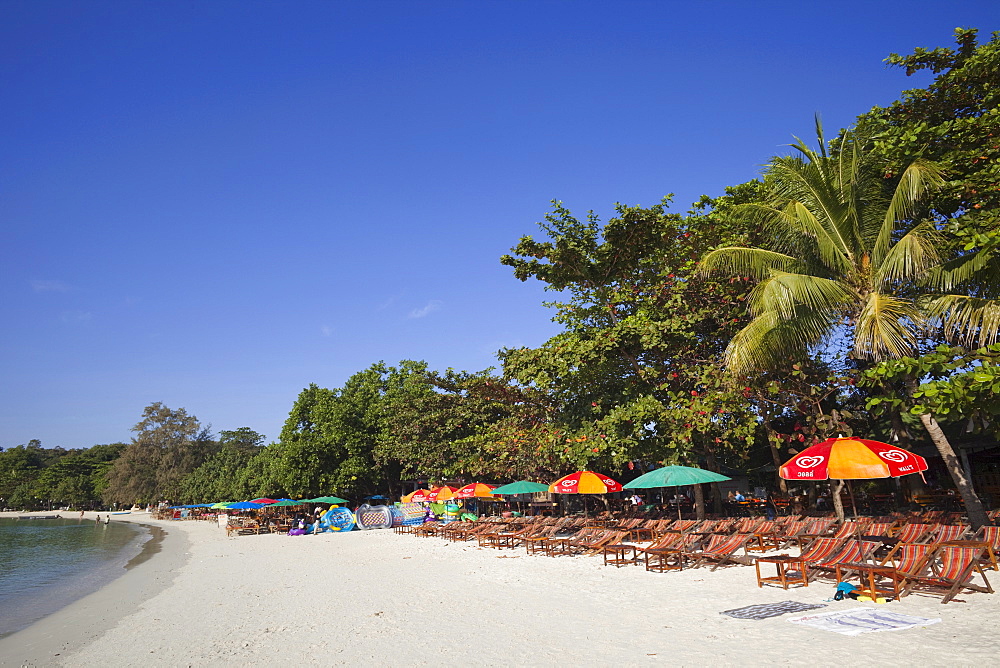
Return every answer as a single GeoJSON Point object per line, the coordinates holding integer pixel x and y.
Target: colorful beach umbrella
{"type": "Point", "coordinates": [585, 482]}
{"type": "Point", "coordinates": [285, 502]}
{"type": "Point", "coordinates": [327, 499]}
{"type": "Point", "coordinates": [674, 476]}
{"type": "Point", "coordinates": [476, 489]}
{"type": "Point", "coordinates": [441, 494]}
{"type": "Point", "coordinates": [263, 499]}
{"type": "Point", "coordinates": [419, 496]}
{"type": "Point", "coordinates": [851, 459]}
{"type": "Point", "coordinates": [244, 505]}
{"type": "Point", "coordinates": [520, 487]}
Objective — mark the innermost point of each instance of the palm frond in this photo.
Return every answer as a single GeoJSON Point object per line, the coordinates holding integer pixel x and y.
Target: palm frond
{"type": "Point", "coordinates": [983, 266]}
{"type": "Point", "coordinates": [920, 177]}
{"type": "Point", "coordinates": [910, 258]}
{"type": "Point", "coordinates": [785, 293]}
{"type": "Point", "coordinates": [753, 262]}
{"type": "Point", "coordinates": [966, 320]}
{"type": "Point", "coordinates": [770, 340]}
{"type": "Point", "coordinates": [886, 327]}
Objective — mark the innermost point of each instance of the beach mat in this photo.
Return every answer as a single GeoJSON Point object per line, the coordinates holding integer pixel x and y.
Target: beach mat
{"type": "Point", "coordinates": [862, 620]}
{"type": "Point", "coordinates": [766, 610]}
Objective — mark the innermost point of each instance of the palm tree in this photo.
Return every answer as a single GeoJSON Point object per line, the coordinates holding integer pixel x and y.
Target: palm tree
{"type": "Point", "coordinates": [844, 267]}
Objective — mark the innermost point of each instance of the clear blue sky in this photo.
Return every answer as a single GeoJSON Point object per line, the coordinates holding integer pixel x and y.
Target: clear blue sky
{"type": "Point", "coordinates": [214, 204]}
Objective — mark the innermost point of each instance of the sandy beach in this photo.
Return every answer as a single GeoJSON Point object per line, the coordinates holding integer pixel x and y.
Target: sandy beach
{"type": "Point", "coordinates": [375, 598]}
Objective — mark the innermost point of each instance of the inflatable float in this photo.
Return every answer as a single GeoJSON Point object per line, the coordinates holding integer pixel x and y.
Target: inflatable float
{"type": "Point", "coordinates": [336, 519]}
{"type": "Point", "coordinates": [373, 517]}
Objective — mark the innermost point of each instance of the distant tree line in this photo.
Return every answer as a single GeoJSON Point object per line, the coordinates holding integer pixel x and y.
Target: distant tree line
{"type": "Point", "coordinates": [851, 290]}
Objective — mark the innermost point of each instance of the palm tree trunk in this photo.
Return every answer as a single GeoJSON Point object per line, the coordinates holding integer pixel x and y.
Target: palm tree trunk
{"type": "Point", "coordinates": [973, 506]}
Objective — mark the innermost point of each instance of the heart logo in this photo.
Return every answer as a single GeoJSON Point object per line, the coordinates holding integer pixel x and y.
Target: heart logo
{"type": "Point", "coordinates": [809, 462]}
{"type": "Point", "coordinates": [893, 456]}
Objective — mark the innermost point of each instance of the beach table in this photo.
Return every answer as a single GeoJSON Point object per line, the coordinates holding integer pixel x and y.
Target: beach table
{"type": "Point", "coordinates": [869, 576]}
{"type": "Point", "coordinates": [622, 554]}
{"type": "Point", "coordinates": [790, 570]}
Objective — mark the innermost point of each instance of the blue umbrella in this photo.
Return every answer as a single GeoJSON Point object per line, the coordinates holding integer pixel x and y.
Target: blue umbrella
{"type": "Point", "coordinates": [245, 505]}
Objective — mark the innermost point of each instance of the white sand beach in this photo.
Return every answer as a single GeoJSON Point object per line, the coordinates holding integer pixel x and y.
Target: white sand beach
{"type": "Point", "coordinates": [376, 599]}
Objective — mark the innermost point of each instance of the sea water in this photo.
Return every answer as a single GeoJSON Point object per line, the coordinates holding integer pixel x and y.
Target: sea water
{"type": "Point", "coordinates": [47, 564]}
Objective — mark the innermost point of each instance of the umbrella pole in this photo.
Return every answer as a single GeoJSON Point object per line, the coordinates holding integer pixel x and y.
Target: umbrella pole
{"type": "Point", "coordinates": [854, 506]}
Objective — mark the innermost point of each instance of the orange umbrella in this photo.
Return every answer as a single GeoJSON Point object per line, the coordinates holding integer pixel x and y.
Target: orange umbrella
{"type": "Point", "coordinates": [476, 489]}
{"type": "Point", "coordinates": [851, 459]}
{"type": "Point", "coordinates": [419, 496]}
{"type": "Point", "coordinates": [440, 494]}
{"type": "Point", "coordinates": [585, 482]}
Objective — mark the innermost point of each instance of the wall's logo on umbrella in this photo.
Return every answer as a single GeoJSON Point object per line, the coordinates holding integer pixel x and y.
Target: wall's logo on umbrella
{"type": "Point", "coordinates": [894, 456]}
{"type": "Point", "coordinates": [809, 462]}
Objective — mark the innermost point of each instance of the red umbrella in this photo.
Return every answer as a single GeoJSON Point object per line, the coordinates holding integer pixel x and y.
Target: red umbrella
{"type": "Point", "coordinates": [479, 489]}
{"type": "Point", "coordinates": [263, 500]}
{"type": "Point", "coordinates": [852, 459]}
{"type": "Point", "coordinates": [585, 482]}
{"type": "Point", "coordinates": [440, 494]}
{"type": "Point", "coordinates": [419, 496]}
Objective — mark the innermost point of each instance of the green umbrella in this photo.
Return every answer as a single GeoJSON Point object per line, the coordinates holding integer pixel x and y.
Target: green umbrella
{"type": "Point", "coordinates": [674, 476]}
{"type": "Point", "coordinates": [326, 499]}
{"type": "Point", "coordinates": [520, 487]}
{"type": "Point", "coordinates": [221, 504]}
{"type": "Point", "coordinates": [285, 502]}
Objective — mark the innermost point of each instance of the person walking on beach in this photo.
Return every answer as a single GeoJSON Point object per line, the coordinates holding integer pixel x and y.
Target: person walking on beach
{"type": "Point", "coordinates": [98, 520]}
{"type": "Point", "coordinates": [107, 518]}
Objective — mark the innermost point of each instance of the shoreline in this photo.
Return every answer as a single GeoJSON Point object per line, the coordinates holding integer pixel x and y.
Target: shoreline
{"type": "Point", "coordinates": [50, 639]}
{"type": "Point", "coordinates": [374, 598]}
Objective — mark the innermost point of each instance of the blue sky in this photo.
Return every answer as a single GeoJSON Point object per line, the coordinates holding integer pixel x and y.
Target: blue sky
{"type": "Point", "coordinates": [215, 204]}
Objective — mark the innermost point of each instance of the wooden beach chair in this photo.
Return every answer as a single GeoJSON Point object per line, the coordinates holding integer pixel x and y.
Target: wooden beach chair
{"type": "Point", "coordinates": [764, 538]}
{"type": "Point", "coordinates": [851, 551]}
{"type": "Point", "coordinates": [668, 553]}
{"type": "Point", "coordinates": [915, 533]}
{"type": "Point", "coordinates": [947, 533]}
{"type": "Point", "coordinates": [593, 544]}
{"type": "Point", "coordinates": [790, 533]}
{"type": "Point", "coordinates": [904, 560]}
{"type": "Point", "coordinates": [949, 570]}
{"type": "Point", "coordinates": [721, 550]}
{"type": "Point", "coordinates": [991, 537]}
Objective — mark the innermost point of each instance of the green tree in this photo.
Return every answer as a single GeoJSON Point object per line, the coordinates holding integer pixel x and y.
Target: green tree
{"type": "Point", "coordinates": [848, 253]}
{"type": "Point", "coordinates": [954, 121]}
{"type": "Point", "coordinates": [222, 476]}
{"type": "Point", "coordinates": [168, 445]}
{"type": "Point", "coordinates": [635, 375]}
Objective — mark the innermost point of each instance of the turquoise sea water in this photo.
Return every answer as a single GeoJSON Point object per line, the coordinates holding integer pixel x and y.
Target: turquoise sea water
{"type": "Point", "coordinates": [47, 564]}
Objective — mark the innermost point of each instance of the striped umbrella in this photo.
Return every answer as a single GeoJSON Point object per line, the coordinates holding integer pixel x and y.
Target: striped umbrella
{"type": "Point", "coordinates": [852, 459]}
{"type": "Point", "coordinates": [419, 496]}
{"type": "Point", "coordinates": [476, 489]}
{"type": "Point", "coordinates": [441, 494]}
{"type": "Point", "coordinates": [585, 482]}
